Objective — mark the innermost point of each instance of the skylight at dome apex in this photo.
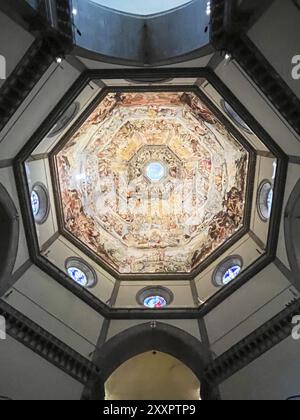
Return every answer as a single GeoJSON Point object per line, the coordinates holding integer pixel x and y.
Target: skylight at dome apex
{"type": "Point", "coordinates": [152, 182]}
{"type": "Point", "coordinates": [140, 7]}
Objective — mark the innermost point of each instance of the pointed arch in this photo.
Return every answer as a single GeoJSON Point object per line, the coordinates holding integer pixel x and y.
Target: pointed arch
{"type": "Point", "coordinates": [147, 337]}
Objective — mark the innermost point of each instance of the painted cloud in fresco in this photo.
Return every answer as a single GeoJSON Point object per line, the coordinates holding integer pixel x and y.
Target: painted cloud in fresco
{"type": "Point", "coordinates": [165, 222]}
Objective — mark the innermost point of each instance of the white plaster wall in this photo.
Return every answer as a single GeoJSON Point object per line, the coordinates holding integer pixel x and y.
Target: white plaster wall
{"type": "Point", "coordinates": [293, 176]}
{"type": "Point", "coordinates": [280, 41]}
{"type": "Point", "coordinates": [62, 249]}
{"type": "Point", "coordinates": [85, 97]}
{"type": "Point", "coordinates": [181, 289]}
{"type": "Point", "coordinates": [56, 309]}
{"type": "Point", "coordinates": [245, 247]}
{"type": "Point", "coordinates": [14, 41]}
{"type": "Point", "coordinates": [188, 325]}
{"type": "Point", "coordinates": [216, 98]}
{"type": "Point", "coordinates": [36, 108]}
{"type": "Point", "coordinates": [272, 377]}
{"type": "Point", "coordinates": [39, 171]}
{"type": "Point", "coordinates": [26, 376]}
{"type": "Point", "coordinates": [249, 95]}
{"type": "Point", "coordinates": [248, 308]}
{"type": "Point", "coordinates": [8, 181]}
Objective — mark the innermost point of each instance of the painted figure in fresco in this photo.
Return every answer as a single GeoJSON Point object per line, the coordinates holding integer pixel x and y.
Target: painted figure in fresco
{"type": "Point", "coordinates": [139, 225]}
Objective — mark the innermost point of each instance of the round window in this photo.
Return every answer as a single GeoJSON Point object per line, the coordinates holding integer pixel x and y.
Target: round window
{"type": "Point", "coordinates": [265, 200]}
{"type": "Point", "coordinates": [155, 297]}
{"type": "Point", "coordinates": [40, 203]}
{"type": "Point", "coordinates": [81, 273]}
{"type": "Point", "coordinates": [235, 117]}
{"type": "Point", "coordinates": [35, 203]}
{"type": "Point", "coordinates": [231, 274]}
{"type": "Point", "coordinates": [65, 119]}
{"type": "Point", "coordinates": [227, 271]}
{"type": "Point", "coordinates": [155, 171]}
{"type": "Point", "coordinates": [154, 302]}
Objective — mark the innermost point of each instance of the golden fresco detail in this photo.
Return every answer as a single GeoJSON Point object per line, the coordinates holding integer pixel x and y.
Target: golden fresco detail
{"type": "Point", "coordinates": [152, 182]}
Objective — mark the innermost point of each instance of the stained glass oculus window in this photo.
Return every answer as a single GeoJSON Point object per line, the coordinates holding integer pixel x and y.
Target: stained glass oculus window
{"type": "Point", "coordinates": [227, 271]}
{"type": "Point", "coordinates": [231, 274]}
{"type": "Point", "coordinates": [78, 276]}
{"type": "Point", "coordinates": [155, 297]}
{"type": "Point", "coordinates": [153, 302]}
{"type": "Point", "coordinates": [40, 203]}
{"type": "Point", "coordinates": [81, 273]}
{"type": "Point", "coordinates": [265, 200]}
{"type": "Point", "coordinates": [65, 119]}
{"type": "Point", "coordinates": [35, 203]}
{"type": "Point", "coordinates": [235, 117]}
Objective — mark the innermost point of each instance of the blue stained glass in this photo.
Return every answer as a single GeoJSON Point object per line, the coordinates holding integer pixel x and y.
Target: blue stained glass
{"type": "Point", "coordinates": [231, 274]}
{"type": "Point", "coordinates": [35, 203]}
{"type": "Point", "coordinates": [270, 201]}
{"type": "Point", "coordinates": [78, 276]}
{"type": "Point", "coordinates": [155, 171]}
{"type": "Point", "coordinates": [155, 302]}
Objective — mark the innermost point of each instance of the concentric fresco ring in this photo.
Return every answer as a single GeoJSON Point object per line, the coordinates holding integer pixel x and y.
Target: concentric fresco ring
{"type": "Point", "coordinates": [152, 182]}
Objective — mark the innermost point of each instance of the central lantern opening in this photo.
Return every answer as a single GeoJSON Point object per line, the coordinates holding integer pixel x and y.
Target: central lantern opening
{"type": "Point", "coordinates": [155, 171]}
{"type": "Point", "coordinates": [143, 8]}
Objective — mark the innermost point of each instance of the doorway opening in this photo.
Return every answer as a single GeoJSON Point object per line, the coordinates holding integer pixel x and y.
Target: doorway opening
{"type": "Point", "coordinates": [152, 375]}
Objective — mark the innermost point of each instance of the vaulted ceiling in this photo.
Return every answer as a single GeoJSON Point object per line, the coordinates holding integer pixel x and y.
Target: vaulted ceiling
{"type": "Point", "coordinates": [153, 178]}
{"type": "Point", "coordinates": [152, 182]}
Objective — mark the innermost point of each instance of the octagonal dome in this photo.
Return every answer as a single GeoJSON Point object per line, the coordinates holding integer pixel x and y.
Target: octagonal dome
{"type": "Point", "coordinates": [152, 182]}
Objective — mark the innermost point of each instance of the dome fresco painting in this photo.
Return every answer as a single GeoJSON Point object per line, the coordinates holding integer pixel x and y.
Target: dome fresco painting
{"type": "Point", "coordinates": [152, 182]}
{"type": "Point", "coordinates": [149, 201]}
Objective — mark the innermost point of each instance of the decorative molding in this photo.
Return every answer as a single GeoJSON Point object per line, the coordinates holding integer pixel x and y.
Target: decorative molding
{"type": "Point", "coordinates": [6, 163]}
{"type": "Point", "coordinates": [15, 277]}
{"type": "Point", "coordinates": [51, 42]}
{"type": "Point", "coordinates": [102, 337]}
{"type": "Point", "coordinates": [41, 156]}
{"type": "Point", "coordinates": [63, 357]}
{"type": "Point", "coordinates": [50, 242]}
{"type": "Point", "coordinates": [228, 34]}
{"type": "Point", "coordinates": [294, 160]}
{"type": "Point", "coordinates": [114, 295]}
{"type": "Point", "coordinates": [86, 296]}
{"type": "Point", "coordinates": [46, 345]}
{"type": "Point", "coordinates": [254, 346]}
{"type": "Point", "coordinates": [258, 241]}
{"type": "Point", "coordinates": [266, 154]}
{"type": "Point", "coordinates": [9, 238]}
{"type": "Point", "coordinates": [287, 273]}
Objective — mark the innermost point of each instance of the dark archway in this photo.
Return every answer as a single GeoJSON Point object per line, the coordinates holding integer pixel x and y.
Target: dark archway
{"type": "Point", "coordinates": [9, 238]}
{"type": "Point", "coordinates": [146, 337]}
{"type": "Point", "coordinates": [292, 232]}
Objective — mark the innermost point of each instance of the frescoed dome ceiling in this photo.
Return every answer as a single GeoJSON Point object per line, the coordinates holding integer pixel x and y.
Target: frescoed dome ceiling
{"type": "Point", "coordinates": [152, 182]}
